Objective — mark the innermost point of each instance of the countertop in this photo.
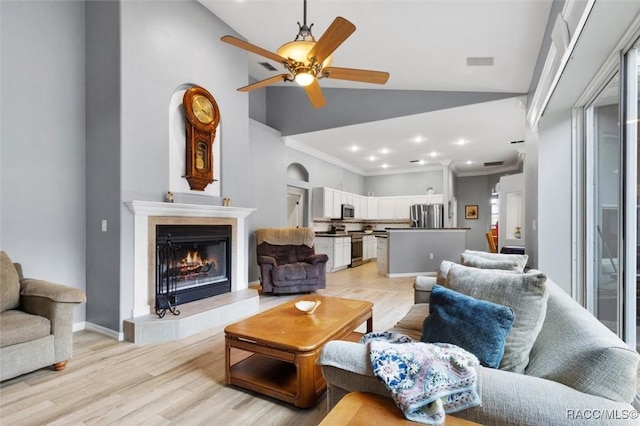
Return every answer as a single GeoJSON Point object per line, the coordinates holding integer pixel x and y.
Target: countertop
{"type": "Point", "coordinates": [426, 229]}
{"type": "Point", "coordinates": [351, 233]}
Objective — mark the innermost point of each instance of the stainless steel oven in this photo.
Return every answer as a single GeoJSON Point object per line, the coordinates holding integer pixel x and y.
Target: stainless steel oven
{"type": "Point", "coordinates": [356, 249]}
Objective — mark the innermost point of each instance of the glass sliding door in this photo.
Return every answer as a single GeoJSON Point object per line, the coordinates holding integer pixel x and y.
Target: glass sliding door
{"type": "Point", "coordinates": [631, 289]}
{"type": "Point", "coordinates": [603, 194]}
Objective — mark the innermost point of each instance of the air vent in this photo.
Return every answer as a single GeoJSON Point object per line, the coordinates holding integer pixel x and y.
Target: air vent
{"type": "Point", "coordinates": [267, 66]}
{"type": "Point", "coordinates": [493, 163]}
{"type": "Point", "coordinates": [414, 161]}
{"type": "Point", "coordinates": [480, 61]}
{"type": "Point", "coordinates": [517, 141]}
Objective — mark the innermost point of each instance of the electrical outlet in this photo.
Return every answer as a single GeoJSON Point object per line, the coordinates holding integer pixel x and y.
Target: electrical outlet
{"type": "Point", "coordinates": [104, 225]}
{"type": "Point", "coordinates": [431, 256]}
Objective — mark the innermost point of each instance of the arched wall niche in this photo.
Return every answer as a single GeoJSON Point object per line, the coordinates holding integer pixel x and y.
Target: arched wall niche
{"type": "Point", "coordinates": [297, 171]}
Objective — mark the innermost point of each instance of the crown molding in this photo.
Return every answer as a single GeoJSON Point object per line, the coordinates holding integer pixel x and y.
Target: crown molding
{"type": "Point", "coordinates": [294, 144]}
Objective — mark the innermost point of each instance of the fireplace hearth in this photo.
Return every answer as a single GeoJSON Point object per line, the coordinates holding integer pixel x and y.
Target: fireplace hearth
{"type": "Point", "coordinates": [193, 262]}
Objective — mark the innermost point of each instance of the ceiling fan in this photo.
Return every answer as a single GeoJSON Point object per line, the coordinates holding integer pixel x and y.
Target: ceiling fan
{"type": "Point", "coordinates": [307, 61]}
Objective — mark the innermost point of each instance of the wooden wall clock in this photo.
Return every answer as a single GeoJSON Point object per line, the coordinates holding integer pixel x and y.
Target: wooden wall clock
{"type": "Point", "coordinates": [201, 121]}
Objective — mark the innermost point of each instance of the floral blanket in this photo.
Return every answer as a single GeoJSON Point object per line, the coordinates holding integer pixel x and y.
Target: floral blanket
{"type": "Point", "coordinates": [426, 380]}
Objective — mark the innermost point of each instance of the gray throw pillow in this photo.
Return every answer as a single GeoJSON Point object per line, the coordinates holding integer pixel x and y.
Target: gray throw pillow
{"type": "Point", "coordinates": [484, 263]}
{"type": "Point", "coordinates": [520, 259]}
{"type": "Point", "coordinates": [526, 294]}
{"type": "Point", "coordinates": [441, 276]}
{"type": "Point", "coordinates": [9, 284]}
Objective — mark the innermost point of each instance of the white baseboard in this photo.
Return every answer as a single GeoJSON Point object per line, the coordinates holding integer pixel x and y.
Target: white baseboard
{"type": "Point", "coordinates": [254, 283]}
{"type": "Point", "coordinates": [79, 326]}
{"type": "Point", "coordinates": [105, 331]}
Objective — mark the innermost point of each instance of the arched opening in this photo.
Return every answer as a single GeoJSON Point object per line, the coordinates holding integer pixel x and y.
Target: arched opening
{"type": "Point", "coordinates": [297, 196]}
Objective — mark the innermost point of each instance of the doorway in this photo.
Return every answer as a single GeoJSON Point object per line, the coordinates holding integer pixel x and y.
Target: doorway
{"type": "Point", "coordinates": [295, 207]}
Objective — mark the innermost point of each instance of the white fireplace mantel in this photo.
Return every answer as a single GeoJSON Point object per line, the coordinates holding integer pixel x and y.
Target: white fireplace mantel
{"type": "Point", "coordinates": [144, 210]}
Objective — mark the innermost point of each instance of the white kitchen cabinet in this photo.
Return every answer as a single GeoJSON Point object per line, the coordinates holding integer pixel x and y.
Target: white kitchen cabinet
{"type": "Point", "coordinates": [372, 208]}
{"type": "Point", "coordinates": [363, 211]}
{"type": "Point", "coordinates": [324, 203]}
{"type": "Point", "coordinates": [369, 247]}
{"type": "Point", "coordinates": [386, 208]}
{"type": "Point", "coordinates": [337, 249]}
{"type": "Point", "coordinates": [401, 207]}
{"type": "Point", "coordinates": [327, 203]}
{"type": "Point", "coordinates": [337, 204]}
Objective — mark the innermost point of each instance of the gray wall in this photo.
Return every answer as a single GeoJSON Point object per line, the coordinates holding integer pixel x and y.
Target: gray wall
{"type": "Point", "coordinates": [475, 190]}
{"type": "Point", "coordinates": [166, 45]}
{"type": "Point", "coordinates": [404, 183]}
{"type": "Point", "coordinates": [530, 170]}
{"type": "Point", "coordinates": [410, 251]}
{"type": "Point", "coordinates": [322, 173]}
{"type": "Point", "coordinates": [268, 190]}
{"type": "Point", "coordinates": [554, 197]}
{"type": "Point", "coordinates": [43, 140]}
{"type": "Point", "coordinates": [103, 162]}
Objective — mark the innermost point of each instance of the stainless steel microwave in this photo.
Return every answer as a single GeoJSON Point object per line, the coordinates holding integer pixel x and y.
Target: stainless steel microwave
{"type": "Point", "coordinates": [348, 211]}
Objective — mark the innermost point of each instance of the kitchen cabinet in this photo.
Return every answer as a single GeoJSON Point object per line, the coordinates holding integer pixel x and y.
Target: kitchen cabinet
{"type": "Point", "coordinates": [363, 205]}
{"type": "Point", "coordinates": [394, 207]}
{"type": "Point", "coordinates": [337, 249]}
{"type": "Point", "coordinates": [369, 247]}
{"type": "Point", "coordinates": [327, 203]}
{"type": "Point", "coordinates": [372, 208]}
{"type": "Point", "coordinates": [401, 207]}
{"type": "Point", "coordinates": [386, 208]}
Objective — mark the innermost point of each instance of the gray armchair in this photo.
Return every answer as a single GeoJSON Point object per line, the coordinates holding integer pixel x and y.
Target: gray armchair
{"type": "Point", "coordinates": [288, 262]}
{"type": "Point", "coordinates": [36, 321]}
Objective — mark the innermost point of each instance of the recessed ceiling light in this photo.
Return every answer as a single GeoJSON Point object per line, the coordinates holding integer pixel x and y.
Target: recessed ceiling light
{"type": "Point", "coordinates": [385, 165]}
{"type": "Point", "coordinates": [354, 148]}
{"type": "Point", "coordinates": [384, 151]}
{"type": "Point", "coordinates": [419, 139]}
{"type": "Point", "coordinates": [433, 154]}
{"type": "Point", "coordinates": [460, 142]}
{"type": "Point", "coordinates": [372, 158]}
{"type": "Point", "coordinates": [469, 162]}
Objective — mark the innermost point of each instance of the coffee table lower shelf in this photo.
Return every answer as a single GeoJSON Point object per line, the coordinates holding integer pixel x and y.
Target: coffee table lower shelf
{"type": "Point", "coordinates": [266, 375]}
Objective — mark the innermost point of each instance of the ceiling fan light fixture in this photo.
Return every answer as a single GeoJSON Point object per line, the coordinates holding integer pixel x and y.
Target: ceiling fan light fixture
{"type": "Point", "coordinates": [298, 50]}
{"type": "Point", "coordinates": [304, 78]}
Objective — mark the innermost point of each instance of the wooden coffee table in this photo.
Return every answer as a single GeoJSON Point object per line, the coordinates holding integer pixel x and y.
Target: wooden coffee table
{"type": "Point", "coordinates": [365, 409]}
{"type": "Point", "coordinates": [275, 351]}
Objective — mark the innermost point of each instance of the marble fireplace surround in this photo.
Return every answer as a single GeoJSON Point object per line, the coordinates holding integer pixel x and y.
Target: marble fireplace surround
{"type": "Point", "coordinates": [145, 326]}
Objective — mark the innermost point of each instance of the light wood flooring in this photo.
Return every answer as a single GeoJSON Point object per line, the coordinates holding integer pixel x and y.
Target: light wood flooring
{"type": "Point", "coordinates": [177, 383]}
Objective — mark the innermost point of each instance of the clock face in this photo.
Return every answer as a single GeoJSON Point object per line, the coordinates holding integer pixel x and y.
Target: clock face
{"type": "Point", "coordinates": [202, 109]}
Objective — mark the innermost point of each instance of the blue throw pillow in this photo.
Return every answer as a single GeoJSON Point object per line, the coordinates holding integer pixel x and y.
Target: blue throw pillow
{"type": "Point", "coordinates": [477, 326]}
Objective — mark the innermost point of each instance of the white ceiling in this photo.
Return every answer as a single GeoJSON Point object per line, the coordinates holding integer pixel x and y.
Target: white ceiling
{"type": "Point", "coordinates": [424, 45]}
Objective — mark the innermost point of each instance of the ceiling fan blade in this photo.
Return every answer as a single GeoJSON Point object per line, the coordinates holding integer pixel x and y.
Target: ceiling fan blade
{"type": "Point", "coordinates": [265, 82]}
{"type": "Point", "coordinates": [352, 74]}
{"type": "Point", "coordinates": [315, 94]}
{"type": "Point", "coordinates": [339, 30]}
{"type": "Point", "coordinates": [234, 41]}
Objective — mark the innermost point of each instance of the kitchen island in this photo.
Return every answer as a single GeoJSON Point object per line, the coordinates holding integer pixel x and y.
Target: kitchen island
{"type": "Point", "coordinates": [419, 251]}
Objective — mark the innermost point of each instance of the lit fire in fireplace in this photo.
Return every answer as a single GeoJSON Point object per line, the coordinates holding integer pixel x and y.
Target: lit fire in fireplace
{"type": "Point", "coordinates": [192, 265]}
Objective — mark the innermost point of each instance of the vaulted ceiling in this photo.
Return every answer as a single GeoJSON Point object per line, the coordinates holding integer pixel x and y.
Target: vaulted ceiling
{"type": "Point", "coordinates": [427, 46]}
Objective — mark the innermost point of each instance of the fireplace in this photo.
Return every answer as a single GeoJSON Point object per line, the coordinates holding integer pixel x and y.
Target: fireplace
{"type": "Point", "coordinates": [144, 326]}
{"type": "Point", "coordinates": [193, 262]}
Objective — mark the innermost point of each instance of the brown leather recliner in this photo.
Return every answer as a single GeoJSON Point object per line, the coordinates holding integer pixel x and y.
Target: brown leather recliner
{"type": "Point", "coordinates": [288, 262]}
